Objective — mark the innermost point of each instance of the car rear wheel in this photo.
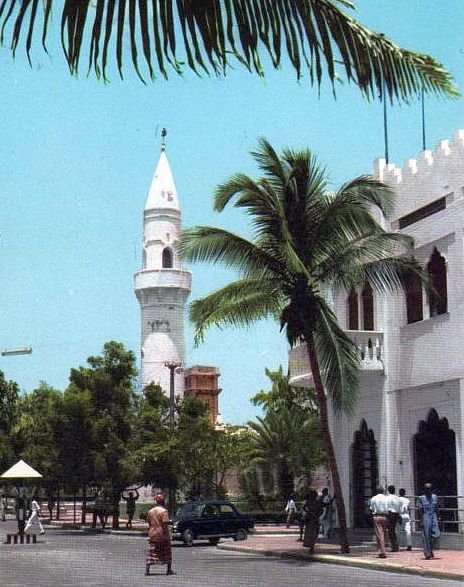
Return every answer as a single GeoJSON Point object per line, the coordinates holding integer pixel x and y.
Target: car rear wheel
{"type": "Point", "coordinates": [187, 537]}
{"type": "Point", "coordinates": [242, 534]}
{"type": "Point", "coordinates": [213, 541]}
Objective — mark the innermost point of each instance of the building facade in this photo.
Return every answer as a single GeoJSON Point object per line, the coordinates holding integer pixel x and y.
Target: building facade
{"type": "Point", "coordinates": [203, 383]}
{"type": "Point", "coordinates": [162, 286]}
{"type": "Point", "coordinates": [409, 422]}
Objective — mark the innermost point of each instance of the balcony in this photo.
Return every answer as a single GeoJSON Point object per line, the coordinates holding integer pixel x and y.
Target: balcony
{"type": "Point", "coordinates": [371, 352]}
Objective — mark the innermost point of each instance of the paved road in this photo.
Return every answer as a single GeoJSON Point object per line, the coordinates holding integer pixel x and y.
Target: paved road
{"type": "Point", "coordinates": [71, 558]}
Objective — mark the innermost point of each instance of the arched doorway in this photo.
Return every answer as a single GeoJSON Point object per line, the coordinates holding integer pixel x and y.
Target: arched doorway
{"type": "Point", "coordinates": [365, 474]}
{"type": "Point", "coordinates": [435, 462]}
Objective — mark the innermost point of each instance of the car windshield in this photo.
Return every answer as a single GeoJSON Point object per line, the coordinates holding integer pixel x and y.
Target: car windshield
{"type": "Point", "coordinates": [190, 509]}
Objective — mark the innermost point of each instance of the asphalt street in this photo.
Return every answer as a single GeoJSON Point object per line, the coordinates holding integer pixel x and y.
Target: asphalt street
{"type": "Point", "coordinates": [72, 558]}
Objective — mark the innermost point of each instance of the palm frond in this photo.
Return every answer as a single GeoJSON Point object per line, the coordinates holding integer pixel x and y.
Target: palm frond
{"type": "Point", "coordinates": [316, 36]}
{"type": "Point", "coordinates": [215, 245]}
{"type": "Point", "coordinates": [339, 361]}
{"type": "Point", "coordinates": [238, 304]}
{"type": "Point", "coordinates": [342, 263]}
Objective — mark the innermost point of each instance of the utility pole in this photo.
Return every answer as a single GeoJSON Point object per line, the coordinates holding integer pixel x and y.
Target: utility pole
{"type": "Point", "coordinates": [173, 366]}
{"type": "Point", "coordinates": [22, 498]}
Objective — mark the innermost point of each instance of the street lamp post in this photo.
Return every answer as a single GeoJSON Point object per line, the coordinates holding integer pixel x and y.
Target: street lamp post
{"type": "Point", "coordinates": [22, 499]}
{"type": "Point", "coordinates": [173, 366]}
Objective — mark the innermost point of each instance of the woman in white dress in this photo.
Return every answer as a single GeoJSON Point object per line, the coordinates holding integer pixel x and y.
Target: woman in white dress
{"type": "Point", "coordinates": [33, 524]}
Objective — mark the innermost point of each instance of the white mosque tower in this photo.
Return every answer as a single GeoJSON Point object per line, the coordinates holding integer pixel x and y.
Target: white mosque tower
{"type": "Point", "coordinates": [162, 286]}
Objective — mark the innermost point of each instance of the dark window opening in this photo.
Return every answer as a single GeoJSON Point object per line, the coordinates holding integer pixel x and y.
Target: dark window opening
{"type": "Point", "coordinates": [422, 213]}
{"type": "Point", "coordinates": [353, 311]}
{"type": "Point", "coordinates": [167, 258]}
{"type": "Point", "coordinates": [438, 299]}
{"type": "Point", "coordinates": [365, 471]}
{"type": "Point", "coordinates": [368, 307]}
{"type": "Point", "coordinates": [413, 287]}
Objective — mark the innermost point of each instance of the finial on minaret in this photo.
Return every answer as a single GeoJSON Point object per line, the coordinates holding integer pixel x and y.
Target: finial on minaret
{"type": "Point", "coordinates": [164, 132]}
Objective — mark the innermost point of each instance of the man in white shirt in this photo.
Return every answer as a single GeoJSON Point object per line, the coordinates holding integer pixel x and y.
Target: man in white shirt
{"type": "Point", "coordinates": [379, 508]}
{"type": "Point", "coordinates": [405, 514]}
{"type": "Point", "coordinates": [394, 507]}
{"type": "Point", "coordinates": [291, 510]}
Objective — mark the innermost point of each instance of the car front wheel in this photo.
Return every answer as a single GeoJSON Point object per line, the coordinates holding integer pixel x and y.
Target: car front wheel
{"type": "Point", "coordinates": [213, 541]}
{"type": "Point", "coordinates": [242, 534]}
{"type": "Point", "coordinates": [187, 538]}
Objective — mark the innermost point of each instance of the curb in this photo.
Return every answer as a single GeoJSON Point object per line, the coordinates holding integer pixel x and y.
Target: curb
{"type": "Point", "coordinates": [347, 562]}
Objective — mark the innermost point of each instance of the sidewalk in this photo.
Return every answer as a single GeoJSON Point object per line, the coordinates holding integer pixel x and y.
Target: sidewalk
{"type": "Point", "coordinates": [447, 564]}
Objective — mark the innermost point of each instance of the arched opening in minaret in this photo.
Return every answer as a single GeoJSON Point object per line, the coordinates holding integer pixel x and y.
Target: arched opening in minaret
{"type": "Point", "coordinates": [167, 258]}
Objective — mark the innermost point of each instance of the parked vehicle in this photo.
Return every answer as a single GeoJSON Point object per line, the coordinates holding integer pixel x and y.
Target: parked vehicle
{"type": "Point", "coordinates": [210, 520]}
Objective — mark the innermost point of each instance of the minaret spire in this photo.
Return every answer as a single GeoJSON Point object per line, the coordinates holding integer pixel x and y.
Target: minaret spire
{"type": "Point", "coordinates": [164, 132]}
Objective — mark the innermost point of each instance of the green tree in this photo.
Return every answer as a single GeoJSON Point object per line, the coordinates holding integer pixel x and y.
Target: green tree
{"type": "Point", "coordinates": [315, 36]}
{"type": "Point", "coordinates": [230, 454]}
{"type": "Point", "coordinates": [282, 394]}
{"type": "Point", "coordinates": [288, 438]}
{"type": "Point", "coordinates": [36, 426]}
{"type": "Point", "coordinates": [150, 455]}
{"type": "Point", "coordinates": [9, 401]}
{"type": "Point", "coordinates": [288, 441]}
{"type": "Point", "coordinates": [105, 389]}
{"type": "Point", "coordinates": [306, 241]}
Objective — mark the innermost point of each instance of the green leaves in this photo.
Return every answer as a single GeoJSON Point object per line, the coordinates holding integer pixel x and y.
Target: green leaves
{"type": "Point", "coordinates": [306, 242]}
{"type": "Point", "coordinates": [317, 37]}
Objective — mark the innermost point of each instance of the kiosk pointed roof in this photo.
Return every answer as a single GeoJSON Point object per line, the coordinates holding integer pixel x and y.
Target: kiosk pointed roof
{"type": "Point", "coordinates": [163, 191]}
{"type": "Point", "coordinates": [21, 471]}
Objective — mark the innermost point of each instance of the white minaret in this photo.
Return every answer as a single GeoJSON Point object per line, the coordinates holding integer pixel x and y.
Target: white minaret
{"type": "Point", "coordinates": [162, 286]}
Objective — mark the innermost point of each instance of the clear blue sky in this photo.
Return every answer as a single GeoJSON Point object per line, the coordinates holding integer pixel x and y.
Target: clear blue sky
{"type": "Point", "coordinates": [77, 158]}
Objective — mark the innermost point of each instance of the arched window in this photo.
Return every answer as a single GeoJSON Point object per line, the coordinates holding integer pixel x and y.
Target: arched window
{"type": "Point", "coordinates": [167, 258]}
{"type": "Point", "coordinates": [437, 272]}
{"type": "Point", "coordinates": [368, 306]}
{"type": "Point", "coordinates": [413, 288]}
{"type": "Point", "coordinates": [353, 311]}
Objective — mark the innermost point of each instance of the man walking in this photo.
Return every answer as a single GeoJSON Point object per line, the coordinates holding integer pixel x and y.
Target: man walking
{"type": "Point", "coordinates": [405, 515]}
{"type": "Point", "coordinates": [290, 508]}
{"type": "Point", "coordinates": [394, 506]}
{"type": "Point", "coordinates": [428, 511]}
{"type": "Point", "coordinates": [327, 515]}
{"type": "Point", "coordinates": [379, 508]}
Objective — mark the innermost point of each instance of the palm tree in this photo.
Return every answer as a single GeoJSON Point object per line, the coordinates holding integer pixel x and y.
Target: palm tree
{"type": "Point", "coordinates": [305, 243]}
{"type": "Point", "coordinates": [288, 441]}
{"type": "Point", "coordinates": [317, 36]}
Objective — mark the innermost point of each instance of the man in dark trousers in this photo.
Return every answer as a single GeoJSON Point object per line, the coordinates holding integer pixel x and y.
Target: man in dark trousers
{"type": "Point", "coordinates": [130, 505]}
{"type": "Point", "coordinates": [394, 508]}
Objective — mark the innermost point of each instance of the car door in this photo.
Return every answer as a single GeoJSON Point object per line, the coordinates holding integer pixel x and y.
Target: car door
{"type": "Point", "coordinates": [209, 522]}
{"type": "Point", "coordinates": [228, 519]}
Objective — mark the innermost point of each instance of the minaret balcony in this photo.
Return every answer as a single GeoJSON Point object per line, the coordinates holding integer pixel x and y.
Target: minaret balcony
{"type": "Point", "coordinates": [371, 354]}
{"type": "Point", "coordinates": [165, 278]}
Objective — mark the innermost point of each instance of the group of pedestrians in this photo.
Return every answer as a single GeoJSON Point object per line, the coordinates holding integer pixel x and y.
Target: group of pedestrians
{"type": "Point", "coordinates": [316, 513]}
{"type": "Point", "coordinates": [391, 514]}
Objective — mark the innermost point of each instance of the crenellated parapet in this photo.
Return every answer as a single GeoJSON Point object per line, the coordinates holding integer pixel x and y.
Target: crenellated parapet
{"type": "Point", "coordinates": [433, 175]}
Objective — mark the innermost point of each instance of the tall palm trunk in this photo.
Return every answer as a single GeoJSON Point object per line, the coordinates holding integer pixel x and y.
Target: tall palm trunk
{"type": "Point", "coordinates": [327, 439]}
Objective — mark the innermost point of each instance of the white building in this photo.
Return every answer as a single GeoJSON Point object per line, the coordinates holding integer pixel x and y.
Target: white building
{"type": "Point", "coordinates": [162, 286]}
{"type": "Point", "coordinates": [409, 423]}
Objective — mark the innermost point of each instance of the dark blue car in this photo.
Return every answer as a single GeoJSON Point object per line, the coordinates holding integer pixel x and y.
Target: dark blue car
{"type": "Point", "coordinates": [210, 520]}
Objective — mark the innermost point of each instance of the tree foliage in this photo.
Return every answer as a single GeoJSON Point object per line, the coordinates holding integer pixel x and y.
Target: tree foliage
{"type": "Point", "coordinates": [9, 403]}
{"type": "Point", "coordinates": [317, 37]}
{"type": "Point", "coordinates": [35, 431]}
{"type": "Point", "coordinates": [287, 440]}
